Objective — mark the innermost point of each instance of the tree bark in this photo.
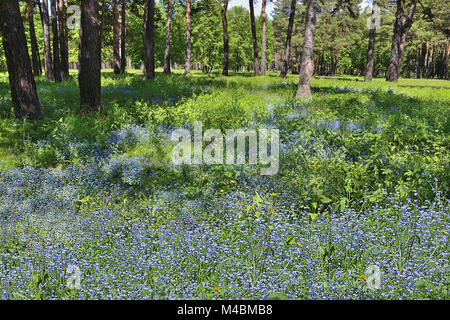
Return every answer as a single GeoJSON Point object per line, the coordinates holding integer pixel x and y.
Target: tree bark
{"type": "Point", "coordinates": [447, 53]}
{"type": "Point", "coordinates": [144, 64]}
{"type": "Point", "coordinates": [307, 63]}
{"type": "Point", "coordinates": [372, 35]}
{"type": "Point", "coordinates": [64, 50]}
{"type": "Point", "coordinates": [430, 61]}
{"type": "Point", "coordinates": [425, 61]}
{"type": "Point", "coordinates": [48, 62]}
{"type": "Point", "coordinates": [187, 67]}
{"type": "Point", "coordinates": [287, 47]}
{"type": "Point", "coordinates": [89, 78]}
{"type": "Point", "coordinates": [34, 46]}
{"type": "Point", "coordinates": [418, 54]}
{"type": "Point", "coordinates": [116, 37]}
{"type": "Point", "coordinates": [402, 25]}
{"type": "Point", "coordinates": [149, 40]}
{"type": "Point", "coordinates": [167, 48]}
{"type": "Point", "coordinates": [100, 39]}
{"type": "Point", "coordinates": [263, 38]}
{"type": "Point", "coordinates": [226, 45]}
{"type": "Point", "coordinates": [56, 58]}
{"type": "Point", "coordinates": [23, 87]}
{"type": "Point", "coordinates": [123, 58]}
{"type": "Point", "coordinates": [255, 44]}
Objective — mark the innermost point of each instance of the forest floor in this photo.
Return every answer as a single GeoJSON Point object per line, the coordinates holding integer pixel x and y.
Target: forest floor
{"type": "Point", "coordinates": [359, 208]}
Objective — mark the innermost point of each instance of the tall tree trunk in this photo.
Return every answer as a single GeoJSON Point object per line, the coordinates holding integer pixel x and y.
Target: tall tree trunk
{"type": "Point", "coordinates": [123, 32]}
{"type": "Point", "coordinates": [33, 41]}
{"type": "Point", "coordinates": [263, 38]}
{"type": "Point", "coordinates": [255, 43]}
{"type": "Point", "coordinates": [48, 62]}
{"type": "Point", "coordinates": [430, 61]}
{"type": "Point", "coordinates": [116, 37]}
{"type": "Point", "coordinates": [447, 53]}
{"type": "Point", "coordinates": [167, 48]}
{"type": "Point", "coordinates": [225, 38]}
{"type": "Point", "coordinates": [144, 63]}
{"type": "Point", "coordinates": [21, 79]}
{"type": "Point", "coordinates": [56, 59]}
{"type": "Point", "coordinates": [287, 46]}
{"type": "Point", "coordinates": [334, 62]}
{"type": "Point", "coordinates": [64, 50]}
{"type": "Point", "coordinates": [425, 61]}
{"type": "Point", "coordinates": [149, 40]}
{"type": "Point", "coordinates": [418, 54]}
{"type": "Point", "coordinates": [89, 77]}
{"type": "Point", "coordinates": [307, 63]}
{"type": "Point", "coordinates": [402, 25]}
{"type": "Point", "coordinates": [100, 38]}
{"type": "Point", "coordinates": [187, 67]}
{"type": "Point", "coordinates": [408, 66]}
{"type": "Point", "coordinates": [371, 50]}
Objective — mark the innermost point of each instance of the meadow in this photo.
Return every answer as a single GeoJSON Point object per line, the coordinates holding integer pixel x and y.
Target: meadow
{"type": "Point", "coordinates": [363, 181]}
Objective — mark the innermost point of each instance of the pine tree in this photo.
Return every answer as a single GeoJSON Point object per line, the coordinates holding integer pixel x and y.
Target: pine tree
{"type": "Point", "coordinates": [21, 79]}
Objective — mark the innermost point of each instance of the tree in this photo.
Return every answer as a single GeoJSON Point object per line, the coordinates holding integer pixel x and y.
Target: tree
{"type": "Point", "coordinates": [226, 46]}
{"type": "Point", "coordinates": [287, 47]}
{"type": "Point", "coordinates": [123, 59]}
{"type": "Point", "coordinates": [21, 79]}
{"type": "Point", "coordinates": [255, 43]}
{"type": "Point", "coordinates": [263, 38]}
{"type": "Point", "coordinates": [56, 59]}
{"type": "Point", "coordinates": [144, 64]}
{"type": "Point", "coordinates": [89, 77]}
{"type": "Point", "coordinates": [402, 25]}
{"type": "Point", "coordinates": [116, 37]}
{"type": "Point", "coordinates": [48, 62]}
{"type": "Point", "coordinates": [37, 70]}
{"type": "Point", "coordinates": [63, 39]}
{"type": "Point", "coordinates": [167, 47]}
{"type": "Point", "coordinates": [371, 50]}
{"type": "Point", "coordinates": [149, 39]}
{"type": "Point", "coordinates": [307, 62]}
{"type": "Point", "coordinates": [187, 67]}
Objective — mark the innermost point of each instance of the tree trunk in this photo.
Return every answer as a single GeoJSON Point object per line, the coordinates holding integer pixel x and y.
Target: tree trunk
{"type": "Point", "coordinates": [263, 39]}
{"type": "Point", "coordinates": [100, 39]}
{"type": "Point", "coordinates": [56, 59]}
{"type": "Point", "coordinates": [123, 58]}
{"type": "Point", "coordinates": [21, 79]}
{"type": "Point", "coordinates": [334, 63]}
{"type": "Point", "coordinates": [418, 54]}
{"type": "Point", "coordinates": [408, 66]}
{"type": "Point", "coordinates": [48, 62]}
{"type": "Point", "coordinates": [371, 50]}
{"type": "Point", "coordinates": [167, 48]}
{"type": "Point", "coordinates": [144, 64]}
{"type": "Point", "coordinates": [447, 53]}
{"type": "Point", "coordinates": [430, 61]}
{"type": "Point", "coordinates": [287, 47]}
{"type": "Point", "coordinates": [255, 44]}
{"type": "Point", "coordinates": [64, 50]}
{"type": "Point", "coordinates": [116, 37]}
{"type": "Point", "coordinates": [306, 65]}
{"type": "Point", "coordinates": [225, 38]}
{"type": "Point", "coordinates": [187, 67]}
{"type": "Point", "coordinates": [402, 25]}
{"type": "Point", "coordinates": [425, 61]}
{"type": "Point", "coordinates": [89, 78]}
{"type": "Point", "coordinates": [34, 46]}
{"type": "Point", "coordinates": [149, 40]}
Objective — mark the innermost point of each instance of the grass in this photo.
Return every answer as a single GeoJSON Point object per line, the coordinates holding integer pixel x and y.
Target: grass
{"type": "Point", "coordinates": [363, 181]}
